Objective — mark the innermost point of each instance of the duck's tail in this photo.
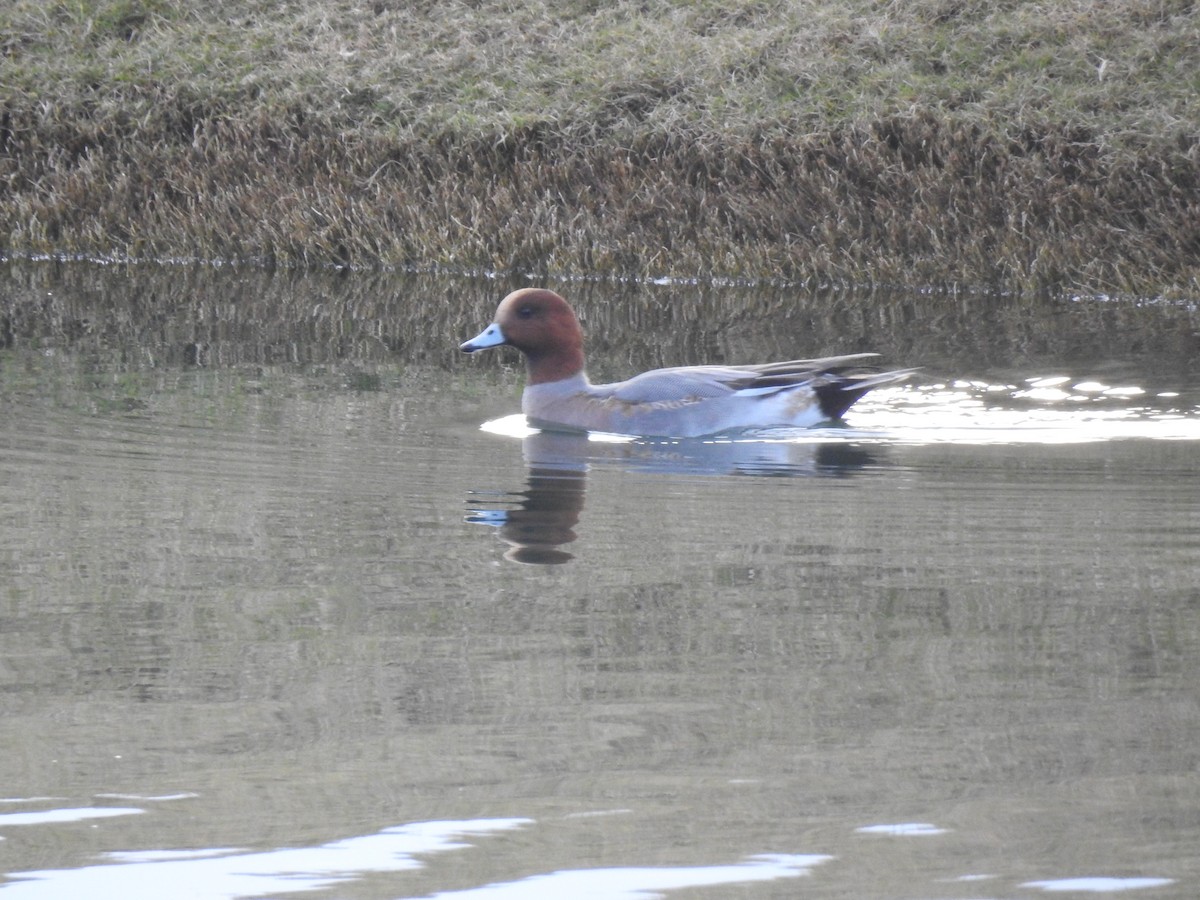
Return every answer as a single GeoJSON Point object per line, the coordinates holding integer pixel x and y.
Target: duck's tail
{"type": "Point", "coordinates": [841, 392]}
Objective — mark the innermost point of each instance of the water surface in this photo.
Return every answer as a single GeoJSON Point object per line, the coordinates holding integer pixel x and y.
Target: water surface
{"type": "Point", "coordinates": [279, 616]}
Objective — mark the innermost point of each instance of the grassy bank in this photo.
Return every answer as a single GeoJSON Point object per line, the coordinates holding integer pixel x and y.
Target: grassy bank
{"type": "Point", "coordinates": [936, 142]}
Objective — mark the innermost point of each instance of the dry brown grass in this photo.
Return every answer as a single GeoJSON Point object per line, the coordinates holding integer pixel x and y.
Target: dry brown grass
{"type": "Point", "coordinates": [941, 142]}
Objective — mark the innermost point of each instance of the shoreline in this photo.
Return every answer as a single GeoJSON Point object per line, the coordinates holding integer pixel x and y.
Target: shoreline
{"type": "Point", "coordinates": [566, 279]}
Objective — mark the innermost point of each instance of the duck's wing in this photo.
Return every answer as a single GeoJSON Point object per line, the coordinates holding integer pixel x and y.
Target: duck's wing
{"type": "Point", "coordinates": [796, 370]}
{"type": "Point", "coordinates": [708, 382]}
{"type": "Point", "coordinates": [837, 381]}
{"type": "Point", "coordinates": [680, 384]}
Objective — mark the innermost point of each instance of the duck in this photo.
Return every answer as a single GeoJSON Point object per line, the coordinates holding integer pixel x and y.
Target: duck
{"type": "Point", "coordinates": [676, 402]}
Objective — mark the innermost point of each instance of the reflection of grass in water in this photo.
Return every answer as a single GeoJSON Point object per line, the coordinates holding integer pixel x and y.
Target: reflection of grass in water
{"type": "Point", "coordinates": [400, 333]}
{"type": "Point", "coordinates": [364, 381]}
{"type": "Point", "coordinates": [925, 142]}
{"type": "Point", "coordinates": [102, 387]}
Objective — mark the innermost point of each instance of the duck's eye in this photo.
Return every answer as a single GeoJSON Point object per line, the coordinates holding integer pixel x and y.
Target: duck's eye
{"type": "Point", "coordinates": [526, 312]}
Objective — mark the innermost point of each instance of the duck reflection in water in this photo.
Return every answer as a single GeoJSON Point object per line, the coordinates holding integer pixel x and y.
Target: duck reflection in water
{"type": "Point", "coordinates": [538, 521]}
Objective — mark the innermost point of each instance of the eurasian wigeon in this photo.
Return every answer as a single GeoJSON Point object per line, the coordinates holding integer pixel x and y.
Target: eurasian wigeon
{"type": "Point", "coordinates": [685, 401]}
